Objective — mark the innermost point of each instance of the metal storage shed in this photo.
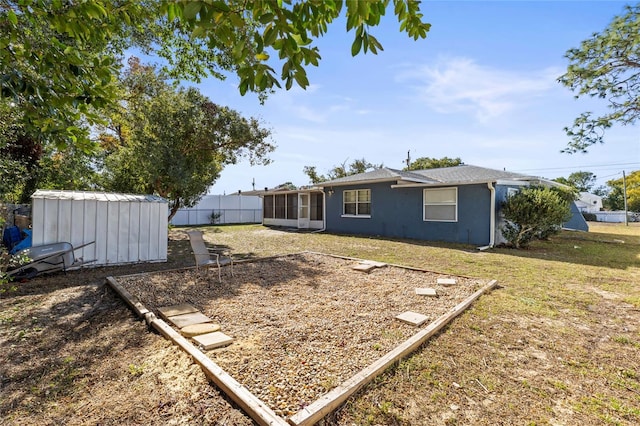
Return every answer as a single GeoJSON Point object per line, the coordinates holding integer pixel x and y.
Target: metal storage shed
{"type": "Point", "coordinates": [126, 228]}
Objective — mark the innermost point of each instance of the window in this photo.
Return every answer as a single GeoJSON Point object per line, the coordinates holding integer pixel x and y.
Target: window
{"type": "Point", "coordinates": [292, 206]}
{"type": "Point", "coordinates": [280, 201]}
{"type": "Point", "coordinates": [268, 207]}
{"type": "Point", "coordinates": [356, 202]}
{"type": "Point", "coordinates": [316, 207]}
{"type": "Point", "coordinates": [441, 205]}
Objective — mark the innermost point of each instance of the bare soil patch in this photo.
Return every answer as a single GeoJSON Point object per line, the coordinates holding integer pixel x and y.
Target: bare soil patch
{"type": "Point", "coordinates": [302, 323]}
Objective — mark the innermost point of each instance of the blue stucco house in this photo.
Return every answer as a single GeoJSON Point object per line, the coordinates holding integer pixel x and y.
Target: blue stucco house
{"type": "Point", "coordinates": [458, 204]}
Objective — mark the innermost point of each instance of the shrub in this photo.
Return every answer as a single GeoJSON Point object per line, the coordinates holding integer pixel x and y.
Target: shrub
{"type": "Point", "coordinates": [214, 217]}
{"type": "Point", "coordinates": [590, 217]}
{"type": "Point", "coordinates": [535, 212]}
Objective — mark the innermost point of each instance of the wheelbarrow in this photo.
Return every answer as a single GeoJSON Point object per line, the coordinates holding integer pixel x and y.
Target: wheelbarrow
{"type": "Point", "coordinates": [48, 258]}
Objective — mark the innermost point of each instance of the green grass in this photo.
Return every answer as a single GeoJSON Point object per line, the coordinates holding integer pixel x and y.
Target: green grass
{"type": "Point", "coordinates": [558, 332]}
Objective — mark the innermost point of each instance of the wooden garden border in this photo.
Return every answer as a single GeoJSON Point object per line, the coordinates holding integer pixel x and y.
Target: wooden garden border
{"type": "Point", "coordinates": [327, 403]}
{"type": "Point", "coordinates": [332, 399]}
{"type": "Point", "coordinates": [253, 406]}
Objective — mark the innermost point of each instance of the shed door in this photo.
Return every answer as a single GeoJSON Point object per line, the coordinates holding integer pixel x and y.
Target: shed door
{"type": "Point", "coordinates": [303, 211]}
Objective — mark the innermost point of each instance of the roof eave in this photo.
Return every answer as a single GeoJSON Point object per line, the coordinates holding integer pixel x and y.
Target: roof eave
{"type": "Point", "coordinates": [474, 182]}
{"type": "Point", "coordinates": [357, 182]}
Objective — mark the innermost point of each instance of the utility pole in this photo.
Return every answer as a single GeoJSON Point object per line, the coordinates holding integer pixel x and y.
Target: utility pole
{"type": "Point", "coordinates": [253, 184]}
{"type": "Point", "coordinates": [408, 160]}
{"type": "Point", "coordinates": [624, 194]}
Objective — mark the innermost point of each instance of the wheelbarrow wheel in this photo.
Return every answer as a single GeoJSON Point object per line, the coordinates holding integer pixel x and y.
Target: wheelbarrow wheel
{"type": "Point", "coordinates": [25, 274]}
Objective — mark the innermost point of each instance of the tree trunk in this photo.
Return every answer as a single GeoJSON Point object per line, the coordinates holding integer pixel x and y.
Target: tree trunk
{"type": "Point", "coordinates": [175, 206]}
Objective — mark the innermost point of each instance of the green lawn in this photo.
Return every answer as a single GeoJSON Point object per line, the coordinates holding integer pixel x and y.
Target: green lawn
{"type": "Point", "coordinates": [558, 342]}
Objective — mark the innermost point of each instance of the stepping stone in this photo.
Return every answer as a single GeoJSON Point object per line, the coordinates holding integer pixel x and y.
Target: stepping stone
{"type": "Point", "coordinates": [198, 329]}
{"type": "Point", "coordinates": [447, 281]}
{"type": "Point", "coordinates": [213, 340]}
{"type": "Point", "coordinates": [364, 267]}
{"type": "Point", "coordinates": [374, 263]}
{"type": "Point", "coordinates": [426, 291]}
{"type": "Point", "coordinates": [182, 321]}
{"type": "Point", "coordinates": [171, 311]}
{"type": "Point", "coordinates": [412, 318]}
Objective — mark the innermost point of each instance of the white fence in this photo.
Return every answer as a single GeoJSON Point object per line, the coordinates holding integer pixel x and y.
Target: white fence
{"type": "Point", "coordinates": [616, 217]}
{"type": "Point", "coordinates": [221, 209]}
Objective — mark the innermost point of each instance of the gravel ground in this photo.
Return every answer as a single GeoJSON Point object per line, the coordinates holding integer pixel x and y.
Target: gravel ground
{"type": "Point", "coordinates": [302, 323]}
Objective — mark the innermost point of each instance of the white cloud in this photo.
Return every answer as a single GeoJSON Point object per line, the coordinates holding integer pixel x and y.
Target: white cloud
{"type": "Point", "coordinates": [312, 105]}
{"type": "Point", "coordinates": [456, 85]}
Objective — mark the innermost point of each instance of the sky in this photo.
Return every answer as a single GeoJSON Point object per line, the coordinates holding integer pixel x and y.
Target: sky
{"type": "Point", "coordinates": [482, 87]}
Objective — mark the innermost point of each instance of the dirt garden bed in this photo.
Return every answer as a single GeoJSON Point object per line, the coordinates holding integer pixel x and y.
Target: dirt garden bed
{"type": "Point", "coordinates": [302, 323]}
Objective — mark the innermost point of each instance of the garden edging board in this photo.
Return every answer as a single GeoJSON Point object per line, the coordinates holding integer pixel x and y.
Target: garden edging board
{"type": "Point", "coordinates": [326, 403]}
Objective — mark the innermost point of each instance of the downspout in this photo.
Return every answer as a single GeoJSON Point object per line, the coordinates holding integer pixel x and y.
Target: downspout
{"type": "Point", "coordinates": [324, 213]}
{"type": "Point", "coordinates": [492, 218]}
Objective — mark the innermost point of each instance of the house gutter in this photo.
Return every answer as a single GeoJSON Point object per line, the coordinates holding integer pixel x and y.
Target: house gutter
{"type": "Point", "coordinates": [492, 218]}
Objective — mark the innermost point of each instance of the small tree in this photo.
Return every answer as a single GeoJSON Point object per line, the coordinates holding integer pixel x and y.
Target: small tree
{"type": "Point", "coordinates": [342, 170]}
{"type": "Point", "coordinates": [535, 212]}
{"type": "Point", "coordinates": [424, 163]}
{"type": "Point", "coordinates": [581, 181]}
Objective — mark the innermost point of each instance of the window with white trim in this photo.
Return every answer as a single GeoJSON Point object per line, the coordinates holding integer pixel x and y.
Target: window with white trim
{"type": "Point", "coordinates": [441, 205]}
{"type": "Point", "coordinates": [356, 202]}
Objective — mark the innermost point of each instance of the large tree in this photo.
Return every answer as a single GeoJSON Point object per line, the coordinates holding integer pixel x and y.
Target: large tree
{"type": "Point", "coordinates": [27, 163]}
{"type": "Point", "coordinates": [59, 60]}
{"type": "Point", "coordinates": [606, 66]}
{"type": "Point", "coordinates": [580, 181]}
{"type": "Point", "coordinates": [424, 163]}
{"type": "Point", "coordinates": [174, 142]}
{"type": "Point", "coordinates": [341, 170]}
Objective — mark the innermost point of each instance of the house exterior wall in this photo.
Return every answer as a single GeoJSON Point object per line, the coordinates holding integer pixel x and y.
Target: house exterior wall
{"type": "Point", "coordinates": [398, 212]}
{"type": "Point", "coordinates": [291, 223]}
{"type": "Point", "coordinates": [502, 191]}
{"type": "Point", "coordinates": [577, 221]}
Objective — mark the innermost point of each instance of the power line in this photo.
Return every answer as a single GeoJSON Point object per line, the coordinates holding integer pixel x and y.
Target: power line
{"type": "Point", "coordinates": [608, 176]}
{"type": "Point", "coordinates": [593, 166]}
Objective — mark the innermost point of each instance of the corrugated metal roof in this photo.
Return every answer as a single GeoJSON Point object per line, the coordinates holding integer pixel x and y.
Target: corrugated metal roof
{"type": "Point", "coordinates": [51, 194]}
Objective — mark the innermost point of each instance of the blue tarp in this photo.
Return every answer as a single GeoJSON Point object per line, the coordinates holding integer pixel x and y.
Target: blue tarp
{"type": "Point", "coordinates": [11, 237]}
{"type": "Point", "coordinates": [25, 243]}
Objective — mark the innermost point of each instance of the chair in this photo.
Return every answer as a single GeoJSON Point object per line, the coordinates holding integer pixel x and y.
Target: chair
{"type": "Point", "coordinates": [207, 257]}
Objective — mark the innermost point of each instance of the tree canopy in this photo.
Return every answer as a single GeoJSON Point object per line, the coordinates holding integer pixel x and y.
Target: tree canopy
{"type": "Point", "coordinates": [341, 170]}
{"type": "Point", "coordinates": [174, 142]}
{"type": "Point", "coordinates": [606, 66]}
{"type": "Point", "coordinates": [615, 197]}
{"type": "Point", "coordinates": [424, 163]}
{"type": "Point", "coordinates": [580, 181]}
{"type": "Point", "coordinates": [60, 60]}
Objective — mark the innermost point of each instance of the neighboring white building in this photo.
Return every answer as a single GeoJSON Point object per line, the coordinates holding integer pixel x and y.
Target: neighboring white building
{"type": "Point", "coordinates": [589, 203]}
{"type": "Point", "coordinates": [221, 209]}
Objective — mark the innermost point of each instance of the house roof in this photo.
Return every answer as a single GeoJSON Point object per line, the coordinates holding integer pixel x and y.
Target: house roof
{"type": "Point", "coordinates": [280, 190]}
{"type": "Point", "coordinates": [464, 174]}
{"type": "Point", "coordinates": [379, 175]}
{"type": "Point", "coordinates": [471, 174]}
